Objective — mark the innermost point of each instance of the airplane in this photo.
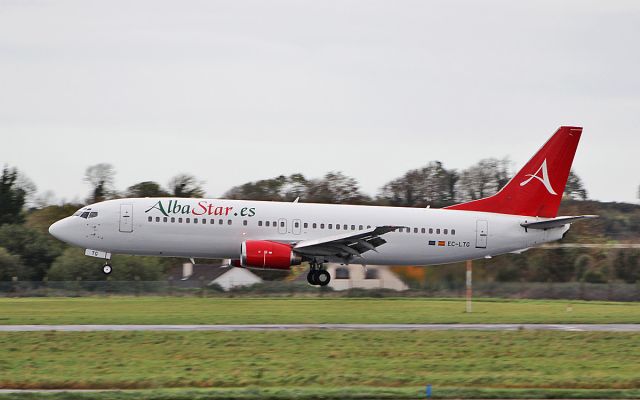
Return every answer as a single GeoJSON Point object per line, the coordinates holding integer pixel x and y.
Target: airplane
{"type": "Point", "coordinates": [279, 235]}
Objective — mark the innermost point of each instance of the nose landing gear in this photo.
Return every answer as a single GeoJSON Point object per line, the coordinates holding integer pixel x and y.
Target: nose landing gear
{"type": "Point", "coordinates": [106, 268]}
{"type": "Point", "coordinates": [318, 276]}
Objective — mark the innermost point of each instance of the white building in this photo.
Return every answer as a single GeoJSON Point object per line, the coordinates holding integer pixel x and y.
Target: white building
{"type": "Point", "coordinates": [235, 277]}
{"type": "Point", "coordinates": [226, 277]}
{"type": "Point", "coordinates": [344, 277]}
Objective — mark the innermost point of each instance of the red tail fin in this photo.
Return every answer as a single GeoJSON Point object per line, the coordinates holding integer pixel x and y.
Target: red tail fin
{"type": "Point", "coordinates": [537, 188]}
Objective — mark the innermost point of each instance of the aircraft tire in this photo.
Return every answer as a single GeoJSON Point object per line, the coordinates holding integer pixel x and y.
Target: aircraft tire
{"type": "Point", "coordinates": [323, 278]}
{"type": "Point", "coordinates": [312, 278]}
{"type": "Point", "coordinates": [106, 269]}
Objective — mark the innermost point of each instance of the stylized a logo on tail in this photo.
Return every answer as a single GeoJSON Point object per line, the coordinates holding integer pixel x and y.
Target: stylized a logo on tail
{"type": "Point", "coordinates": [544, 179]}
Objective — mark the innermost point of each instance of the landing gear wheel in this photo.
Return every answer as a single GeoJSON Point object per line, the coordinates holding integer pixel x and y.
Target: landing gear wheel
{"type": "Point", "coordinates": [106, 269]}
{"type": "Point", "coordinates": [322, 278]}
{"type": "Point", "coordinates": [312, 278]}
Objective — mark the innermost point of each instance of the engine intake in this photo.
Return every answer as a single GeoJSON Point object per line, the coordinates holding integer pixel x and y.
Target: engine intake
{"type": "Point", "coordinates": [267, 255]}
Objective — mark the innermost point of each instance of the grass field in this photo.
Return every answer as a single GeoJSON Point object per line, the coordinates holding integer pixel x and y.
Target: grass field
{"type": "Point", "coordinates": [190, 310]}
{"type": "Point", "coordinates": [328, 393]}
{"type": "Point", "coordinates": [317, 364]}
{"type": "Point", "coordinates": [321, 360]}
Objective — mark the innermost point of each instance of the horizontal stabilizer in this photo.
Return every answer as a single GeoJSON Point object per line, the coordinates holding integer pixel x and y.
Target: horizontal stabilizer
{"type": "Point", "coordinates": [555, 222]}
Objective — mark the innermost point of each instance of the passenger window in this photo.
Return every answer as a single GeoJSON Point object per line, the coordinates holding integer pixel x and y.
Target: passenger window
{"type": "Point", "coordinates": [173, 220]}
{"type": "Point", "coordinates": [150, 219]}
{"type": "Point", "coordinates": [368, 226]}
{"type": "Point", "coordinates": [212, 221]}
{"type": "Point", "coordinates": [321, 226]}
{"type": "Point", "coordinates": [187, 220]}
{"type": "Point", "coordinates": [165, 219]}
{"type": "Point", "coordinates": [179, 220]}
{"type": "Point", "coordinates": [408, 230]}
{"type": "Point", "coordinates": [244, 222]}
{"type": "Point", "coordinates": [305, 225]}
{"type": "Point", "coordinates": [220, 221]}
{"type": "Point", "coordinates": [266, 223]}
{"type": "Point", "coordinates": [360, 227]}
{"type": "Point", "coordinates": [195, 220]}
{"type": "Point", "coordinates": [415, 230]}
{"type": "Point", "coordinates": [345, 227]}
{"type": "Point", "coordinates": [453, 231]}
{"type": "Point", "coordinates": [314, 225]}
{"type": "Point", "coordinates": [330, 226]}
{"type": "Point", "coordinates": [353, 227]}
{"type": "Point", "coordinates": [282, 224]}
{"type": "Point", "coordinates": [446, 231]}
{"type": "Point", "coordinates": [259, 223]}
{"type": "Point", "coordinates": [423, 230]}
{"type": "Point", "coordinates": [296, 224]}
{"type": "Point", "coordinates": [229, 222]}
{"type": "Point", "coordinates": [275, 224]}
{"type": "Point", "coordinates": [438, 231]}
{"type": "Point", "coordinates": [204, 220]}
{"type": "Point", "coordinates": [157, 219]}
{"type": "Point", "coordinates": [430, 230]}
{"type": "Point", "coordinates": [337, 226]}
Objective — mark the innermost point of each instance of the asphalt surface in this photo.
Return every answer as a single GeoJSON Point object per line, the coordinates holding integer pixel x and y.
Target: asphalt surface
{"type": "Point", "coordinates": [340, 327]}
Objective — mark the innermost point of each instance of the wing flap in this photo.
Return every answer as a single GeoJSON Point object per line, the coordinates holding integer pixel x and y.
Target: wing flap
{"type": "Point", "coordinates": [345, 246]}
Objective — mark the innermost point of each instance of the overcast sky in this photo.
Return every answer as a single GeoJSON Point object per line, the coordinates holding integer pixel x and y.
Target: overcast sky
{"type": "Point", "coordinates": [237, 91]}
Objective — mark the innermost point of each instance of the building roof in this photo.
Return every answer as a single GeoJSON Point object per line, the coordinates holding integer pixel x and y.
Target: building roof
{"type": "Point", "coordinates": [210, 272]}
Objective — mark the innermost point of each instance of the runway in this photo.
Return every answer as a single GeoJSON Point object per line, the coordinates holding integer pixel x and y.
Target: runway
{"type": "Point", "coordinates": [336, 327]}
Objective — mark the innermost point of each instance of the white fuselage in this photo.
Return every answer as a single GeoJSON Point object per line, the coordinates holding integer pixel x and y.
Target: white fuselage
{"type": "Point", "coordinates": [158, 226]}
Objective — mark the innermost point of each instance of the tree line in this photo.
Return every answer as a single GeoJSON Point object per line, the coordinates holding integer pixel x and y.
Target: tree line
{"type": "Point", "coordinates": [432, 185]}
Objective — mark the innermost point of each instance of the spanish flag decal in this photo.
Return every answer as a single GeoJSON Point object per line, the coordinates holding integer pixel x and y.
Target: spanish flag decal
{"type": "Point", "coordinates": [441, 243]}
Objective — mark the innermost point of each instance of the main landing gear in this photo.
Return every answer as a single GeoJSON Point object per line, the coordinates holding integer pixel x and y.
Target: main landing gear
{"type": "Point", "coordinates": [318, 276]}
{"type": "Point", "coordinates": [106, 268]}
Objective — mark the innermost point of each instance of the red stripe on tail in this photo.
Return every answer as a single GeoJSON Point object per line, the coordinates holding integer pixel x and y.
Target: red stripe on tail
{"type": "Point", "coordinates": [537, 188]}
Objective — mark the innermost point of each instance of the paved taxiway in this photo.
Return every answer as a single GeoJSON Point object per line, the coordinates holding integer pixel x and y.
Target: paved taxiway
{"type": "Point", "coordinates": [340, 327]}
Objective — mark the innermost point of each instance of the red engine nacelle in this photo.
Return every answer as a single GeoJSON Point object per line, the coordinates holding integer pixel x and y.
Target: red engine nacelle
{"type": "Point", "coordinates": [267, 255]}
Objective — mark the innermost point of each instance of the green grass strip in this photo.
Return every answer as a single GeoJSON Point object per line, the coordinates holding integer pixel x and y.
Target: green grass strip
{"type": "Point", "coordinates": [190, 310]}
{"type": "Point", "coordinates": [328, 359]}
{"type": "Point", "coordinates": [312, 393]}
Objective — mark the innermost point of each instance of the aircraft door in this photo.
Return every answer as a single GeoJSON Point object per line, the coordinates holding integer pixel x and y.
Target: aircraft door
{"type": "Point", "coordinates": [297, 226]}
{"type": "Point", "coordinates": [126, 218]}
{"type": "Point", "coordinates": [282, 225]}
{"type": "Point", "coordinates": [482, 231]}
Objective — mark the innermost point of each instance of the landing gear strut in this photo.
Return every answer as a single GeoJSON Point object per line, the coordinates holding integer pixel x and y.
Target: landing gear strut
{"type": "Point", "coordinates": [106, 268]}
{"type": "Point", "coordinates": [318, 275]}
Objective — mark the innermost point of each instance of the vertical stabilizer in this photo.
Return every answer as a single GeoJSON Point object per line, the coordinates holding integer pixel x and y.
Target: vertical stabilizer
{"type": "Point", "coordinates": [536, 190]}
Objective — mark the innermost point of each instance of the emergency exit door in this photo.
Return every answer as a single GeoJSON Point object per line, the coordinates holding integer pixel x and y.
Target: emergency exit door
{"type": "Point", "coordinates": [282, 225]}
{"type": "Point", "coordinates": [297, 227]}
{"type": "Point", "coordinates": [126, 218]}
{"type": "Point", "coordinates": [482, 232]}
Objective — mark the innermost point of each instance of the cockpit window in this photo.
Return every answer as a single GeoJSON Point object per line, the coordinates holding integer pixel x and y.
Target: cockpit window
{"type": "Point", "coordinates": [84, 215]}
{"type": "Point", "coordinates": [75, 214]}
{"type": "Point", "coordinates": [93, 214]}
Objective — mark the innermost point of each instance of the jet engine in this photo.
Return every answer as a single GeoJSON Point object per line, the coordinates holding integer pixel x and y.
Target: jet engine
{"type": "Point", "coordinates": [267, 255]}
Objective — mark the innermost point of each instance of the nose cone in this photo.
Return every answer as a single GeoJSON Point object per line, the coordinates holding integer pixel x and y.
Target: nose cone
{"type": "Point", "coordinates": [60, 229]}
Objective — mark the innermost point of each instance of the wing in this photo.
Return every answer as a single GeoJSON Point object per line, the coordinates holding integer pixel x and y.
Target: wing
{"type": "Point", "coordinates": [345, 247]}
